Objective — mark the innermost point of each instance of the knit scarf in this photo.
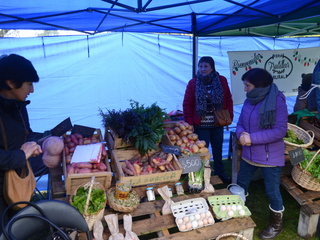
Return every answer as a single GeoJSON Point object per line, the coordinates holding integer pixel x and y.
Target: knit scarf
{"type": "Point", "coordinates": [267, 110]}
{"type": "Point", "coordinates": [208, 88]}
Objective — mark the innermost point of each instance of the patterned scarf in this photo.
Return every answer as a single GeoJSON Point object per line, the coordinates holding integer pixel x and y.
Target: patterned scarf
{"type": "Point", "coordinates": [208, 88]}
{"type": "Point", "coordinates": [267, 110]}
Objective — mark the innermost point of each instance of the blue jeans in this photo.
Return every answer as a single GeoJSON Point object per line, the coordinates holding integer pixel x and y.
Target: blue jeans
{"type": "Point", "coordinates": [213, 136]}
{"type": "Point", "coordinates": [271, 177]}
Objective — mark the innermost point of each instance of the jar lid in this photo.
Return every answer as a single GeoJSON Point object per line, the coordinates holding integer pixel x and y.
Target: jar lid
{"type": "Point", "coordinates": [178, 183]}
{"type": "Point", "coordinates": [149, 188]}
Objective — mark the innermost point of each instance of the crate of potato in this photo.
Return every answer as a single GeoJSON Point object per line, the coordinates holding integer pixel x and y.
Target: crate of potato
{"type": "Point", "coordinates": [76, 174]}
{"type": "Point", "coordinates": [182, 135]}
{"type": "Point", "coordinates": [157, 167]}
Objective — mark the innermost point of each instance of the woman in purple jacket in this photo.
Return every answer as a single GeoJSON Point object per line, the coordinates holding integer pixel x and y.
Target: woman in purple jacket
{"type": "Point", "coordinates": [261, 127]}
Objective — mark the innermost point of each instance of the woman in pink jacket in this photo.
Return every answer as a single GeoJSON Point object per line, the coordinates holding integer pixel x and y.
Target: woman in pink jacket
{"type": "Point", "coordinates": [204, 93]}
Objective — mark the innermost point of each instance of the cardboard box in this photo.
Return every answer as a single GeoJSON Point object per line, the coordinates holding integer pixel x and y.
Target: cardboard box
{"type": "Point", "coordinates": [73, 181]}
{"type": "Point", "coordinates": [113, 141]}
{"type": "Point", "coordinates": [117, 159]}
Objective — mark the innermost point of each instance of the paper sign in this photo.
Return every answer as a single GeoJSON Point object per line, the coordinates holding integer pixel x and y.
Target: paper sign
{"type": "Point", "coordinates": [171, 149]}
{"type": "Point", "coordinates": [296, 156]}
{"type": "Point", "coordinates": [83, 130]}
{"type": "Point", "coordinates": [87, 153]}
{"type": "Point", "coordinates": [190, 163]}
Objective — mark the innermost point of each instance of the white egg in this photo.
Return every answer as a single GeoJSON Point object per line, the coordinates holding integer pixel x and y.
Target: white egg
{"type": "Point", "coordinates": [179, 221]}
{"type": "Point", "coordinates": [195, 224]}
{"type": "Point", "coordinates": [242, 212]}
{"type": "Point", "coordinates": [223, 208]}
{"type": "Point", "coordinates": [182, 227]}
{"type": "Point", "coordinates": [197, 216]}
{"type": "Point", "coordinates": [234, 208]}
{"type": "Point", "coordinates": [239, 207]}
{"type": "Point", "coordinates": [230, 213]}
{"type": "Point", "coordinates": [191, 218]}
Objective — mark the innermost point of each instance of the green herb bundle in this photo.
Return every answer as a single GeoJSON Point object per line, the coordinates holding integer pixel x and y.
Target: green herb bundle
{"type": "Point", "coordinates": [313, 168]}
{"type": "Point", "coordinates": [142, 126]}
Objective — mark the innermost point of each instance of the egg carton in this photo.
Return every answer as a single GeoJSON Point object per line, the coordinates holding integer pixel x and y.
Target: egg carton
{"type": "Point", "coordinates": [192, 214]}
{"type": "Point", "coordinates": [225, 207]}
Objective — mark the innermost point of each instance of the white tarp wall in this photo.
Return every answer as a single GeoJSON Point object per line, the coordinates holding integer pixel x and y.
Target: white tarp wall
{"type": "Point", "coordinates": [81, 74]}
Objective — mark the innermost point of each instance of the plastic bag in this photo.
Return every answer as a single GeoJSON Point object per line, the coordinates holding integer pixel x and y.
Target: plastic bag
{"type": "Point", "coordinates": [165, 194]}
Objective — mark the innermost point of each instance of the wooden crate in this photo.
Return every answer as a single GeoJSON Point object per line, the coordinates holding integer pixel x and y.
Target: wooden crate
{"type": "Point", "coordinates": [113, 141]}
{"type": "Point", "coordinates": [310, 207]}
{"type": "Point", "coordinates": [117, 159]}
{"type": "Point", "coordinates": [73, 181]}
{"type": "Point", "coordinates": [149, 223]}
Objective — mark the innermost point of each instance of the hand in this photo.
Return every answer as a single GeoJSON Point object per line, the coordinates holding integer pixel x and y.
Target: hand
{"type": "Point", "coordinates": [31, 149]}
{"type": "Point", "coordinates": [245, 139]}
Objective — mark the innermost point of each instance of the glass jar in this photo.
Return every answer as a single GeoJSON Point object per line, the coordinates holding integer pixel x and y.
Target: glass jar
{"type": "Point", "coordinates": [179, 188]}
{"type": "Point", "coordinates": [170, 192]}
{"type": "Point", "coordinates": [150, 194]}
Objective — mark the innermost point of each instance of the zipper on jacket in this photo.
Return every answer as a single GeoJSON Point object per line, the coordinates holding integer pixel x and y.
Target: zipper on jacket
{"type": "Point", "coordinates": [267, 151]}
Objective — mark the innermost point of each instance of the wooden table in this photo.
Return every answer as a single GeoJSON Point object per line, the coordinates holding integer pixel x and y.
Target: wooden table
{"type": "Point", "coordinates": [149, 223]}
{"type": "Point", "coordinates": [310, 206]}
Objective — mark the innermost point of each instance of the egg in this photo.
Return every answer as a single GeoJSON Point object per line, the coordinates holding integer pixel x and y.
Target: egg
{"type": "Point", "coordinates": [239, 207]}
{"type": "Point", "coordinates": [186, 219]}
{"type": "Point", "coordinates": [234, 208]}
{"type": "Point", "coordinates": [182, 227]}
{"type": "Point", "coordinates": [191, 218]}
{"type": "Point", "coordinates": [210, 220]}
{"type": "Point", "coordinates": [242, 212]}
{"type": "Point", "coordinates": [230, 213]}
{"type": "Point", "coordinates": [208, 214]}
{"type": "Point", "coordinates": [205, 221]}
{"type": "Point", "coordinates": [223, 208]}
{"type": "Point", "coordinates": [200, 223]}
{"type": "Point", "coordinates": [202, 215]}
{"type": "Point", "coordinates": [228, 208]}
{"type": "Point", "coordinates": [188, 225]}
{"type": "Point", "coordinates": [195, 224]}
{"type": "Point", "coordinates": [197, 216]}
{"type": "Point", "coordinates": [179, 221]}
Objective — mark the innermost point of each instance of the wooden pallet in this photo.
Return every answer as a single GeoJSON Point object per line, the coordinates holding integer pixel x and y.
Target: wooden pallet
{"type": "Point", "coordinates": [148, 223]}
{"type": "Point", "coordinates": [310, 206]}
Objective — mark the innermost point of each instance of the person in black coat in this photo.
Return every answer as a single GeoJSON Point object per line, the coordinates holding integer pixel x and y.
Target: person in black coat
{"type": "Point", "coordinates": [17, 142]}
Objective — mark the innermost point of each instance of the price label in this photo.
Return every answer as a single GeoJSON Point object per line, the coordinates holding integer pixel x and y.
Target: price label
{"type": "Point", "coordinates": [83, 130]}
{"type": "Point", "coordinates": [171, 149]}
{"type": "Point", "coordinates": [296, 156]}
{"type": "Point", "coordinates": [190, 163]}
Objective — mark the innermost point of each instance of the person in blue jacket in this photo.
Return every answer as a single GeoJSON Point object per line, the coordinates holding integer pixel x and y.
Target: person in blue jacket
{"type": "Point", "coordinates": [17, 141]}
{"type": "Point", "coordinates": [261, 128]}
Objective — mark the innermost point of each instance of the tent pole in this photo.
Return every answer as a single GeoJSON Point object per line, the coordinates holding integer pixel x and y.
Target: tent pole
{"type": "Point", "coordinates": [194, 55]}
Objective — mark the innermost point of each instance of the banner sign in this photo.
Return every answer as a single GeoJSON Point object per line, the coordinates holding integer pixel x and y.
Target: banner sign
{"type": "Point", "coordinates": [286, 66]}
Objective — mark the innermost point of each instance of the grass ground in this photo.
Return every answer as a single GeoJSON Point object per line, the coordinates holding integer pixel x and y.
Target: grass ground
{"type": "Point", "coordinates": [258, 204]}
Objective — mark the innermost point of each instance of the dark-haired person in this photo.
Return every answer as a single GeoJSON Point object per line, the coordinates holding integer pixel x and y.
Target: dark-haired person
{"type": "Point", "coordinates": [17, 76]}
{"type": "Point", "coordinates": [308, 102]}
{"type": "Point", "coordinates": [261, 127]}
{"type": "Point", "coordinates": [206, 92]}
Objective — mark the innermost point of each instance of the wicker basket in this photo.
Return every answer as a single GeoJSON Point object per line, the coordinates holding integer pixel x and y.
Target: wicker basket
{"type": "Point", "coordinates": [235, 235]}
{"type": "Point", "coordinates": [306, 136]}
{"type": "Point", "coordinates": [91, 218]}
{"type": "Point", "coordinates": [118, 207]}
{"type": "Point", "coordinates": [304, 178]}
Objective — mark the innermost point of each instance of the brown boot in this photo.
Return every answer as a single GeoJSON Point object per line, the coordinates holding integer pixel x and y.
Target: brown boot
{"type": "Point", "coordinates": [275, 226]}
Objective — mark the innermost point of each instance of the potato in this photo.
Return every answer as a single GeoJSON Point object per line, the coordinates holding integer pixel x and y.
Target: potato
{"type": "Point", "coordinates": [184, 133]}
{"type": "Point", "coordinates": [172, 137]}
{"type": "Point", "coordinates": [203, 150]}
{"type": "Point", "coordinates": [177, 130]}
{"type": "Point", "coordinates": [201, 143]}
{"type": "Point", "coordinates": [179, 142]}
{"type": "Point", "coordinates": [170, 132]}
{"type": "Point", "coordinates": [184, 139]}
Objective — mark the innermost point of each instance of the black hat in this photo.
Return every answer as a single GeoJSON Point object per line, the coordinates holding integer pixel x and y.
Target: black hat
{"type": "Point", "coordinates": [18, 69]}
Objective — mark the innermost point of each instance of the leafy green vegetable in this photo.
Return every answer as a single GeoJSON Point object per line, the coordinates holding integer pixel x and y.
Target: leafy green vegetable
{"type": "Point", "coordinates": [142, 126]}
{"type": "Point", "coordinates": [313, 168]}
{"type": "Point", "coordinates": [96, 203]}
{"type": "Point", "coordinates": [292, 137]}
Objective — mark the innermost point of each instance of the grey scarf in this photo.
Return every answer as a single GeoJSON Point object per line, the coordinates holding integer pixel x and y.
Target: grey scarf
{"type": "Point", "coordinates": [267, 110]}
{"type": "Point", "coordinates": [208, 88]}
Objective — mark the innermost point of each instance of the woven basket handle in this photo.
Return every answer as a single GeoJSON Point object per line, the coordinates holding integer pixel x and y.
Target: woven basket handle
{"type": "Point", "coordinates": [89, 195]}
{"type": "Point", "coordinates": [231, 235]}
{"type": "Point", "coordinates": [311, 133]}
{"type": "Point", "coordinates": [314, 156]}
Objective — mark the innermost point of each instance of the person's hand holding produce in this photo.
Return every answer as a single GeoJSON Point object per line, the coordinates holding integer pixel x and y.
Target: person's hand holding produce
{"type": "Point", "coordinates": [31, 149]}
